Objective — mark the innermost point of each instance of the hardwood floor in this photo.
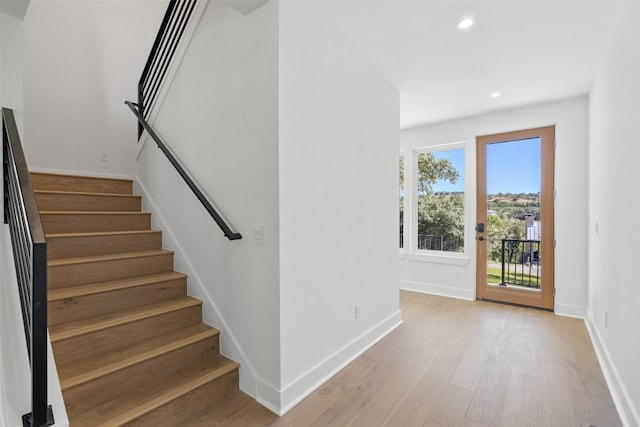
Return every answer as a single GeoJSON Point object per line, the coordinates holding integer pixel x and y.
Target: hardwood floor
{"type": "Point", "coordinates": [461, 363]}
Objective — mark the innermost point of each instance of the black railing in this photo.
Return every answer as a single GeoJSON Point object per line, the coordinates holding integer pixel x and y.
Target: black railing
{"type": "Point", "coordinates": [173, 25]}
{"type": "Point", "coordinates": [430, 242]}
{"type": "Point", "coordinates": [521, 263]}
{"type": "Point", "coordinates": [167, 40]}
{"type": "Point", "coordinates": [231, 235]}
{"type": "Point", "coordinates": [30, 257]}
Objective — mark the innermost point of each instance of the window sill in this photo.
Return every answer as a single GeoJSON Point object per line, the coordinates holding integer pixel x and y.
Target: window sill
{"type": "Point", "coordinates": [453, 259]}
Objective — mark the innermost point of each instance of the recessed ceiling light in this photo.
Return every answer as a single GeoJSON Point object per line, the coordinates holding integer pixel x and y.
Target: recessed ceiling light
{"type": "Point", "coordinates": [466, 23]}
{"type": "Point", "coordinates": [495, 95]}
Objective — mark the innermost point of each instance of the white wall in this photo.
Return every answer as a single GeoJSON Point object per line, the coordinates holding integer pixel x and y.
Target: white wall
{"type": "Point", "coordinates": [82, 59]}
{"type": "Point", "coordinates": [220, 116]}
{"type": "Point", "coordinates": [12, 40]}
{"type": "Point", "coordinates": [15, 376]}
{"type": "Point", "coordinates": [614, 203]}
{"type": "Point", "coordinates": [339, 136]}
{"type": "Point", "coordinates": [441, 276]}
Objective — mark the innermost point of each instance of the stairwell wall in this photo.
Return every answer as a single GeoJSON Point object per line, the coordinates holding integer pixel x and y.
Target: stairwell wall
{"type": "Point", "coordinates": [15, 375]}
{"type": "Point", "coordinates": [11, 68]}
{"type": "Point", "coordinates": [82, 59]}
{"type": "Point", "coordinates": [15, 378]}
{"type": "Point", "coordinates": [284, 128]}
{"type": "Point", "coordinates": [338, 151]}
{"type": "Point", "coordinates": [220, 116]}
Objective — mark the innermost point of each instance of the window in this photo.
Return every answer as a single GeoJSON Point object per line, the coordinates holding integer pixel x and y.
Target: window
{"type": "Point", "coordinates": [401, 201]}
{"type": "Point", "coordinates": [440, 200]}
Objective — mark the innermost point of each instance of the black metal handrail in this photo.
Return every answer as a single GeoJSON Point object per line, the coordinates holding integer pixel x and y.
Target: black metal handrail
{"type": "Point", "coordinates": [521, 263]}
{"type": "Point", "coordinates": [231, 235]}
{"type": "Point", "coordinates": [30, 257]}
{"type": "Point", "coordinates": [167, 40]}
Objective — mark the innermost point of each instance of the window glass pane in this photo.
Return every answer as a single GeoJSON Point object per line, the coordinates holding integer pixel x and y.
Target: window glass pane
{"type": "Point", "coordinates": [441, 200]}
{"type": "Point", "coordinates": [401, 201]}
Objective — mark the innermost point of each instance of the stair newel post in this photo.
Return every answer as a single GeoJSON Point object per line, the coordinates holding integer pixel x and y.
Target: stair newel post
{"type": "Point", "coordinates": [42, 414]}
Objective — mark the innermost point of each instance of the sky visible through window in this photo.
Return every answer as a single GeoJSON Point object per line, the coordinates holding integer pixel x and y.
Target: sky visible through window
{"type": "Point", "coordinates": [456, 156]}
{"type": "Point", "coordinates": [512, 167]}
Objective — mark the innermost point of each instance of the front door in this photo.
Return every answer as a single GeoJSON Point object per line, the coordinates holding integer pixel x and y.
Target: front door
{"type": "Point", "coordinates": [514, 229]}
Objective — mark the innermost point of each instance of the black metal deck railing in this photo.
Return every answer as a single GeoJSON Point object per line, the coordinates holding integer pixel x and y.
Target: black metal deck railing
{"type": "Point", "coordinates": [521, 263]}
{"type": "Point", "coordinates": [30, 256]}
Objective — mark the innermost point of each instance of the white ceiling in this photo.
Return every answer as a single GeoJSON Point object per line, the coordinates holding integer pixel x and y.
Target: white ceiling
{"type": "Point", "coordinates": [529, 51]}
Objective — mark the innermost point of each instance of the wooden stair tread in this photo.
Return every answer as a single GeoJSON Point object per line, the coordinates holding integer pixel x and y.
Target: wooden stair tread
{"type": "Point", "coordinates": [71, 244]}
{"type": "Point", "coordinates": [100, 233]}
{"type": "Point", "coordinates": [86, 193]}
{"type": "Point", "coordinates": [67, 175]}
{"type": "Point", "coordinates": [106, 363]}
{"type": "Point", "coordinates": [68, 182]}
{"type": "Point", "coordinates": [111, 285]}
{"type": "Point", "coordinates": [139, 341]}
{"type": "Point", "coordinates": [84, 326]}
{"type": "Point", "coordinates": [107, 257]}
{"type": "Point", "coordinates": [64, 221]}
{"type": "Point", "coordinates": [93, 213]}
{"type": "Point", "coordinates": [126, 408]}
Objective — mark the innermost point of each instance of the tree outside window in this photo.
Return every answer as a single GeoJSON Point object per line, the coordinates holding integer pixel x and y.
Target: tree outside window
{"type": "Point", "coordinates": [441, 200]}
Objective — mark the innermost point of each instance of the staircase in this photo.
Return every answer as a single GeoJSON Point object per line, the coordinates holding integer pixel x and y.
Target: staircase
{"type": "Point", "coordinates": [129, 343]}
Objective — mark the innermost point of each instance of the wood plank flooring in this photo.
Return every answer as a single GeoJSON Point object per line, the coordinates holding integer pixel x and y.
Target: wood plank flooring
{"type": "Point", "coordinates": [461, 363]}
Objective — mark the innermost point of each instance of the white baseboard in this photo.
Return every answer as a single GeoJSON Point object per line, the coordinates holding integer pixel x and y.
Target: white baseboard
{"type": "Point", "coordinates": [269, 396]}
{"type": "Point", "coordinates": [282, 401]}
{"type": "Point", "coordinates": [569, 310]}
{"type": "Point", "coordinates": [443, 291]}
{"type": "Point", "coordinates": [628, 414]}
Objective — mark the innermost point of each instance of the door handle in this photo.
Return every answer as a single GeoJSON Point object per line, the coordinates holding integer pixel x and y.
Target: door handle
{"type": "Point", "coordinates": [480, 238]}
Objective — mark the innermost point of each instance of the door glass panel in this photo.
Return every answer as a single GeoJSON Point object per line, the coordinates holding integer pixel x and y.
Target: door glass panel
{"type": "Point", "coordinates": [513, 214]}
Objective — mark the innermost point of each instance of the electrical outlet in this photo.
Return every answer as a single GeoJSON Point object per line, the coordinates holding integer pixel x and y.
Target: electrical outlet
{"type": "Point", "coordinates": [258, 233]}
{"type": "Point", "coordinates": [606, 320]}
{"type": "Point", "coordinates": [104, 157]}
{"type": "Point", "coordinates": [357, 311]}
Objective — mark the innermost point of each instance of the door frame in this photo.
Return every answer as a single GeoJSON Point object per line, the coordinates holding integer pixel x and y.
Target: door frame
{"type": "Point", "coordinates": [544, 298]}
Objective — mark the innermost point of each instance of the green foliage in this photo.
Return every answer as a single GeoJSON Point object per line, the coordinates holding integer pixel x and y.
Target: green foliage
{"type": "Point", "coordinates": [432, 170]}
{"type": "Point", "coordinates": [507, 219]}
{"type": "Point", "coordinates": [515, 205]}
{"type": "Point", "coordinates": [501, 226]}
{"type": "Point", "coordinates": [442, 214]}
